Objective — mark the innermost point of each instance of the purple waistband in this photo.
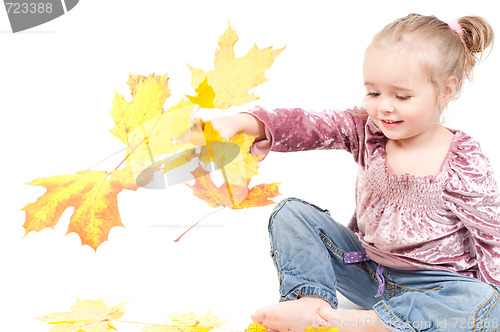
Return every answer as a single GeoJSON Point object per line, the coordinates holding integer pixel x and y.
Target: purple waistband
{"type": "Point", "coordinates": [361, 256]}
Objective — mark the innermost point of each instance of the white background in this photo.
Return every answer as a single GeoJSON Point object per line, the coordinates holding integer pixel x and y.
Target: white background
{"type": "Point", "coordinates": [57, 83]}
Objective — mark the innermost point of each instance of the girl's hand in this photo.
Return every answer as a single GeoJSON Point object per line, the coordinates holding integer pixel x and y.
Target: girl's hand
{"type": "Point", "coordinates": [228, 126]}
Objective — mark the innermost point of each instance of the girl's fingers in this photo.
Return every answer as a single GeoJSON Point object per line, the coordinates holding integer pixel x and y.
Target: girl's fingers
{"type": "Point", "coordinates": [258, 316]}
{"type": "Point", "coordinates": [327, 314]}
{"type": "Point", "coordinates": [270, 321]}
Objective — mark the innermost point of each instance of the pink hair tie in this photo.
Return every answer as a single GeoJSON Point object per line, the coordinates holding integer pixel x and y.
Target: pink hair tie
{"type": "Point", "coordinates": [455, 26]}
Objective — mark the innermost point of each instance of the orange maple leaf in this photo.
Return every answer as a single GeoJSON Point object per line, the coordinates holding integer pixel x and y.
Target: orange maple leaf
{"type": "Point", "coordinates": [237, 173]}
{"type": "Point", "coordinates": [93, 194]}
{"type": "Point", "coordinates": [205, 189]}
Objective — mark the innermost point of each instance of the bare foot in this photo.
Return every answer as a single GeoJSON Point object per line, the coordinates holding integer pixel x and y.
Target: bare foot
{"type": "Point", "coordinates": [352, 320]}
{"type": "Point", "coordinates": [293, 315]}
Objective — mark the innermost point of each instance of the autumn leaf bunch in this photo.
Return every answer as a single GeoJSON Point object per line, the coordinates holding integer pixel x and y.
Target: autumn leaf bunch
{"type": "Point", "coordinates": [158, 141]}
{"type": "Point", "coordinates": [96, 316]}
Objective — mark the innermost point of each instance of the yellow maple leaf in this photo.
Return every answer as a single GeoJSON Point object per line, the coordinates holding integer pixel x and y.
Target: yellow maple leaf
{"type": "Point", "coordinates": [157, 136]}
{"type": "Point", "coordinates": [204, 95]}
{"type": "Point", "coordinates": [135, 82]}
{"type": "Point", "coordinates": [87, 316]}
{"type": "Point", "coordinates": [232, 77]}
{"type": "Point", "coordinates": [93, 194]}
{"type": "Point", "coordinates": [188, 322]}
{"type": "Point", "coordinates": [149, 95]}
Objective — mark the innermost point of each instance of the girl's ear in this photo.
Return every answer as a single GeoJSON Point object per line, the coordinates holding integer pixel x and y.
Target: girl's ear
{"type": "Point", "coordinates": [449, 90]}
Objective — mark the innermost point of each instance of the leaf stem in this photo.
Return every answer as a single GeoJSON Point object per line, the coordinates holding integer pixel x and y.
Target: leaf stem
{"type": "Point", "coordinates": [177, 240]}
{"type": "Point", "coordinates": [192, 114]}
{"type": "Point", "coordinates": [151, 157]}
{"type": "Point", "coordinates": [128, 155]}
{"type": "Point", "coordinates": [106, 158]}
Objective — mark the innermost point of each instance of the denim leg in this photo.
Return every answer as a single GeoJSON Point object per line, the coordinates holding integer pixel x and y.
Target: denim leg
{"type": "Point", "coordinates": [308, 248]}
{"type": "Point", "coordinates": [439, 301]}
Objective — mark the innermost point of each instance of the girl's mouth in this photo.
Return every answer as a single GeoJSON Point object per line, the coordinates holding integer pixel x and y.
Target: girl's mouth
{"type": "Point", "coordinates": [390, 123]}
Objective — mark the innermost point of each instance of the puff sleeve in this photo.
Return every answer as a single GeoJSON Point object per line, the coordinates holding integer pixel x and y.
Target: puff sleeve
{"type": "Point", "coordinates": [471, 194]}
{"type": "Point", "coordinates": [293, 129]}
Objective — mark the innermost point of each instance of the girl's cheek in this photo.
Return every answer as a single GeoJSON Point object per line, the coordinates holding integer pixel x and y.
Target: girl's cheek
{"type": "Point", "coordinates": [370, 108]}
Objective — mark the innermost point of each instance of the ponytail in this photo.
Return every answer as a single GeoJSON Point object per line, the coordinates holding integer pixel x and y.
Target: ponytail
{"type": "Point", "coordinates": [478, 36]}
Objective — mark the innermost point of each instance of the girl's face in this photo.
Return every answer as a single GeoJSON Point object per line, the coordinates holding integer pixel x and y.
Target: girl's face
{"type": "Point", "coordinates": [400, 99]}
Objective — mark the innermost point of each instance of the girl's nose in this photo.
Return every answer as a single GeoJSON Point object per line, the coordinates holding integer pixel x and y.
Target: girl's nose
{"type": "Point", "coordinates": [385, 105]}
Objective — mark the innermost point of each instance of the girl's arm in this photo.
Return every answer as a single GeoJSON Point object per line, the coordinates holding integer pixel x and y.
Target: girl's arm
{"type": "Point", "coordinates": [294, 129]}
{"type": "Point", "coordinates": [471, 193]}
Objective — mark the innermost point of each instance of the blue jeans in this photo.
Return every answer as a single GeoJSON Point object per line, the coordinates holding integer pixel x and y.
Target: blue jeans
{"type": "Point", "coordinates": [308, 249]}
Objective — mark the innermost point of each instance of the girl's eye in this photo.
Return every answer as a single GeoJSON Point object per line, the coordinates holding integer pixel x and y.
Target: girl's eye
{"type": "Point", "coordinates": [373, 94]}
{"type": "Point", "coordinates": [403, 98]}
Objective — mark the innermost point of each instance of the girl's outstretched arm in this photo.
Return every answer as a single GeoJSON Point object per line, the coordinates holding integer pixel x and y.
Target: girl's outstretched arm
{"type": "Point", "coordinates": [295, 129]}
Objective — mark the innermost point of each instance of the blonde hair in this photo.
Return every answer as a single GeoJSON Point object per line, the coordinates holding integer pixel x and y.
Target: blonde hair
{"type": "Point", "coordinates": [450, 54]}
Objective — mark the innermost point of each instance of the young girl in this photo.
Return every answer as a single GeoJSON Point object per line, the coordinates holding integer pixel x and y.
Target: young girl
{"type": "Point", "coordinates": [422, 251]}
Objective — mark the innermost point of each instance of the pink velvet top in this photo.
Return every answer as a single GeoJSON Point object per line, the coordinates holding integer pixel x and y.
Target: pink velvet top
{"type": "Point", "coordinates": [450, 221]}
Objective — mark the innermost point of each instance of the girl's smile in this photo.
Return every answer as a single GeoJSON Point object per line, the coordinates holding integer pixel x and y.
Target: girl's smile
{"type": "Point", "coordinates": [390, 123]}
